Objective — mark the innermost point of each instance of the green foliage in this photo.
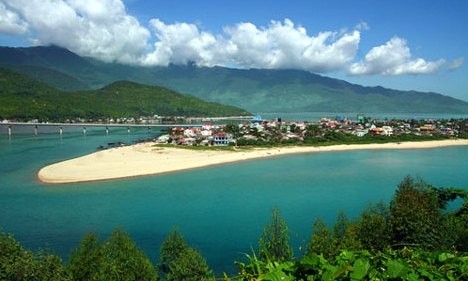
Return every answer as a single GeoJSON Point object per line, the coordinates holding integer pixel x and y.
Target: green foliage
{"type": "Point", "coordinates": [190, 266]}
{"type": "Point", "coordinates": [322, 240]}
{"type": "Point", "coordinates": [404, 264]}
{"type": "Point", "coordinates": [346, 233]}
{"type": "Point", "coordinates": [122, 260]}
{"type": "Point", "coordinates": [118, 258]}
{"type": "Point", "coordinates": [178, 261]}
{"type": "Point", "coordinates": [332, 138]}
{"type": "Point", "coordinates": [459, 222]}
{"type": "Point", "coordinates": [171, 249]}
{"type": "Point", "coordinates": [18, 264]}
{"type": "Point", "coordinates": [374, 231]}
{"type": "Point", "coordinates": [274, 242]}
{"type": "Point", "coordinates": [24, 99]}
{"type": "Point", "coordinates": [86, 260]}
{"type": "Point", "coordinates": [415, 217]}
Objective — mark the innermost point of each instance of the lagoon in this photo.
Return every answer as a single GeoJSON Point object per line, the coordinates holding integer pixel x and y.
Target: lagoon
{"type": "Point", "coordinates": [220, 210]}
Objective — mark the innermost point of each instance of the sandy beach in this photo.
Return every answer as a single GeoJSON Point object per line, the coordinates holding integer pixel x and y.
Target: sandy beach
{"type": "Point", "coordinates": [148, 159]}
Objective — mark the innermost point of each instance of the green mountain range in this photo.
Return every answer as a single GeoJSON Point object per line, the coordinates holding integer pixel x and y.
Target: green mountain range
{"type": "Point", "coordinates": [257, 90]}
{"type": "Point", "coordinates": [24, 98]}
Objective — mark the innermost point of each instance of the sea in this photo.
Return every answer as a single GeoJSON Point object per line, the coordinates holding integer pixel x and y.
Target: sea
{"type": "Point", "coordinates": [220, 210]}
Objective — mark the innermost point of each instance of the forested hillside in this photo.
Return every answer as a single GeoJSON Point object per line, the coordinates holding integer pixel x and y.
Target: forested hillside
{"type": "Point", "coordinates": [23, 98]}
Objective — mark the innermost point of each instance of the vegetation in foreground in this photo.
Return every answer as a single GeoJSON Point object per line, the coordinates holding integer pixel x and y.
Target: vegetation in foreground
{"type": "Point", "coordinates": [414, 237]}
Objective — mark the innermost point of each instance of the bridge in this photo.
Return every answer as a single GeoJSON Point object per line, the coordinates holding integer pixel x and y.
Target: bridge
{"type": "Point", "coordinates": [36, 127]}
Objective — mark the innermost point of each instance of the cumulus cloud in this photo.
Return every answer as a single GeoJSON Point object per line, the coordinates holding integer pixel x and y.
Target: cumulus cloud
{"type": "Point", "coordinates": [181, 43]}
{"type": "Point", "coordinates": [279, 45]}
{"type": "Point", "coordinates": [99, 29]}
{"type": "Point", "coordinates": [10, 22]}
{"type": "Point", "coordinates": [393, 58]}
{"type": "Point", "coordinates": [104, 30]}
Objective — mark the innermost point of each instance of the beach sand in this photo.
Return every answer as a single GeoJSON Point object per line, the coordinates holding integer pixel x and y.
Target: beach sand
{"type": "Point", "coordinates": [150, 159]}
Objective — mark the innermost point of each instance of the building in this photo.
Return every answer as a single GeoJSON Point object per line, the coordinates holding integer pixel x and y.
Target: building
{"type": "Point", "coordinates": [221, 139]}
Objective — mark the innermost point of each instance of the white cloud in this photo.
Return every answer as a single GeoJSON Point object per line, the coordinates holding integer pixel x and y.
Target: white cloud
{"type": "Point", "coordinates": [393, 58]}
{"type": "Point", "coordinates": [457, 63]}
{"type": "Point", "coordinates": [280, 45]}
{"type": "Point", "coordinates": [10, 22]}
{"type": "Point", "coordinates": [99, 29]}
{"type": "Point", "coordinates": [181, 43]}
{"type": "Point", "coordinates": [104, 30]}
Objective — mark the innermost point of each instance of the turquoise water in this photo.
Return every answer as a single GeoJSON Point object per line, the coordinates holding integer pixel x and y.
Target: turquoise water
{"type": "Point", "coordinates": [221, 210]}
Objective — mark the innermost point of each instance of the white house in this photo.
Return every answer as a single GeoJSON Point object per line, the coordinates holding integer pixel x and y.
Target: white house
{"type": "Point", "coordinates": [387, 131]}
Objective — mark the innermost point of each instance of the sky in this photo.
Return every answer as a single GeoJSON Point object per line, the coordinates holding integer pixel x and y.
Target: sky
{"type": "Point", "coordinates": [401, 44]}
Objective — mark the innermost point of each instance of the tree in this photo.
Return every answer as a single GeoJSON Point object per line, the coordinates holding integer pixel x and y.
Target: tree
{"type": "Point", "coordinates": [182, 262]}
{"type": "Point", "coordinates": [322, 240]}
{"type": "Point", "coordinates": [189, 266]}
{"type": "Point", "coordinates": [122, 260]}
{"type": "Point", "coordinates": [373, 228]}
{"type": "Point", "coordinates": [171, 249]}
{"type": "Point", "coordinates": [274, 242]}
{"type": "Point", "coordinates": [18, 264]}
{"type": "Point", "coordinates": [346, 233]}
{"type": "Point", "coordinates": [87, 259]}
{"type": "Point", "coordinates": [416, 218]}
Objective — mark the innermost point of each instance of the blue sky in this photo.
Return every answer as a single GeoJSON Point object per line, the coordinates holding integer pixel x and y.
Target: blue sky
{"type": "Point", "coordinates": [416, 44]}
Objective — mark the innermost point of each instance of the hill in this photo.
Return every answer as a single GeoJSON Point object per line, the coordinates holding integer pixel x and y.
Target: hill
{"type": "Point", "coordinates": [24, 98]}
{"type": "Point", "coordinates": [257, 90]}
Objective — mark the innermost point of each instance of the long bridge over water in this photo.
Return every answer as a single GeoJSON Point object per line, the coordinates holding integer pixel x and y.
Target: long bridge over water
{"type": "Point", "coordinates": [36, 128]}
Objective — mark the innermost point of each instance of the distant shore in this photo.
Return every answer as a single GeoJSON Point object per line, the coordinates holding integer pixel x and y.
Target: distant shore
{"type": "Point", "coordinates": [150, 159]}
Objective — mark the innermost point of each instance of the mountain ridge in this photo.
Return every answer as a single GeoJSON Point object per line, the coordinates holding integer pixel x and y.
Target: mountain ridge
{"type": "Point", "coordinates": [257, 90]}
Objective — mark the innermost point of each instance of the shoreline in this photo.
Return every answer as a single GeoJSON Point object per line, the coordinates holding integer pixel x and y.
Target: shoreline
{"type": "Point", "coordinates": [149, 159]}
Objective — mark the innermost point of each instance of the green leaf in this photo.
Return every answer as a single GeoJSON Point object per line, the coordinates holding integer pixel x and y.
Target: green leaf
{"type": "Point", "coordinates": [330, 273]}
{"type": "Point", "coordinates": [413, 277]}
{"type": "Point", "coordinates": [396, 269]}
{"type": "Point", "coordinates": [360, 269]}
{"type": "Point", "coordinates": [277, 275]}
{"type": "Point", "coordinates": [311, 260]}
{"type": "Point", "coordinates": [445, 256]}
{"type": "Point", "coordinates": [347, 255]}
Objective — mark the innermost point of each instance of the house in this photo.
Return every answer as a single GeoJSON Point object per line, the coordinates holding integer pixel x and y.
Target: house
{"type": "Point", "coordinates": [387, 131]}
{"type": "Point", "coordinates": [207, 126]}
{"type": "Point", "coordinates": [163, 139]}
{"type": "Point", "coordinates": [190, 132]}
{"type": "Point", "coordinates": [376, 131]}
{"type": "Point", "coordinates": [221, 139]}
{"type": "Point", "coordinates": [360, 133]}
{"type": "Point", "coordinates": [206, 133]}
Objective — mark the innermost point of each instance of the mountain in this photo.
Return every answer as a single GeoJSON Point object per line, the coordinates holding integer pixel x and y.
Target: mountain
{"type": "Point", "coordinates": [24, 98]}
{"type": "Point", "coordinates": [257, 90]}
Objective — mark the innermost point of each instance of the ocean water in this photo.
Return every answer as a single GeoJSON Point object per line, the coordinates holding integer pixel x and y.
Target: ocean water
{"type": "Point", "coordinates": [220, 210]}
{"type": "Point", "coordinates": [315, 116]}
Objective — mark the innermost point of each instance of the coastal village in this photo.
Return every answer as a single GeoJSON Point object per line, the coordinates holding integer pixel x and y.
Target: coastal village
{"type": "Point", "coordinates": [277, 131]}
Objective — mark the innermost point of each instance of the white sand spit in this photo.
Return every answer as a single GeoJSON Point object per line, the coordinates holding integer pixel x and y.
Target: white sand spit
{"type": "Point", "coordinates": [148, 159]}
